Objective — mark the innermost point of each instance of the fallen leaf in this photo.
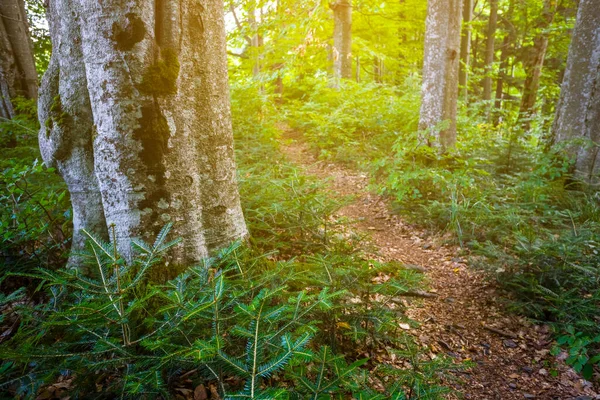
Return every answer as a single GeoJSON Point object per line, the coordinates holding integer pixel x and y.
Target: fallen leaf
{"type": "Point", "coordinates": [344, 325]}
{"type": "Point", "coordinates": [200, 393]}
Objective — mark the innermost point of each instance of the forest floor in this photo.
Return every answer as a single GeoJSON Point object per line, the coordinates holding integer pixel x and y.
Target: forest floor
{"type": "Point", "coordinates": [462, 314]}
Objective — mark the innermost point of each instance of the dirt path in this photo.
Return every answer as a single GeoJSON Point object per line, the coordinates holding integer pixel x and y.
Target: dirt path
{"type": "Point", "coordinates": [464, 319]}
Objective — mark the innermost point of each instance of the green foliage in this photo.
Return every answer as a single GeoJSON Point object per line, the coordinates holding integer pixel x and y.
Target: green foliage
{"type": "Point", "coordinates": [38, 30]}
{"type": "Point", "coordinates": [254, 322]}
{"type": "Point", "coordinates": [34, 227]}
{"type": "Point", "coordinates": [500, 194]}
{"type": "Point", "coordinates": [34, 211]}
{"type": "Point", "coordinates": [358, 123]}
{"type": "Point", "coordinates": [22, 128]}
{"type": "Point", "coordinates": [235, 318]}
{"type": "Point", "coordinates": [578, 345]}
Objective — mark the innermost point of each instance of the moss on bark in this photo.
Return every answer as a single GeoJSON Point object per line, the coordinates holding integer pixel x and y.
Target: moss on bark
{"type": "Point", "coordinates": [160, 79]}
{"type": "Point", "coordinates": [153, 133]}
{"type": "Point", "coordinates": [128, 34]}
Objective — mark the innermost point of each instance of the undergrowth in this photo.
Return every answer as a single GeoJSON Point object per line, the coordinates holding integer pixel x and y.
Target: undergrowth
{"type": "Point", "coordinates": [502, 194]}
{"type": "Point", "coordinates": [34, 205]}
{"type": "Point", "coordinates": [299, 312]}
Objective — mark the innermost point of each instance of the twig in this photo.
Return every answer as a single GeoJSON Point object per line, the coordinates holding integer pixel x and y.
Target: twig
{"type": "Point", "coordinates": [414, 267]}
{"type": "Point", "coordinates": [414, 293]}
{"type": "Point", "coordinates": [500, 332]}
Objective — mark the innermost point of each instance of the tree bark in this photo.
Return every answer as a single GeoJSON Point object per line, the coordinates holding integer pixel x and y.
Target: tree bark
{"type": "Point", "coordinates": [533, 65]}
{"type": "Point", "coordinates": [577, 121]}
{"type": "Point", "coordinates": [440, 72]}
{"type": "Point", "coordinates": [342, 40]}
{"type": "Point", "coordinates": [465, 48]}
{"type": "Point", "coordinates": [156, 77]}
{"type": "Point", "coordinates": [489, 50]}
{"type": "Point", "coordinates": [18, 76]}
{"type": "Point", "coordinates": [67, 126]}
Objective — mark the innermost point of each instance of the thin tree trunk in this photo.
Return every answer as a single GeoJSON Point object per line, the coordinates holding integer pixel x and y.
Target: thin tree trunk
{"type": "Point", "coordinates": [255, 41]}
{"type": "Point", "coordinates": [18, 76]}
{"type": "Point", "coordinates": [342, 40]}
{"type": "Point", "coordinates": [440, 72]}
{"type": "Point", "coordinates": [533, 66]}
{"type": "Point", "coordinates": [377, 69]}
{"type": "Point", "coordinates": [506, 52]}
{"type": "Point", "coordinates": [465, 48]}
{"type": "Point", "coordinates": [489, 50]}
{"type": "Point", "coordinates": [577, 122]}
{"type": "Point", "coordinates": [156, 75]}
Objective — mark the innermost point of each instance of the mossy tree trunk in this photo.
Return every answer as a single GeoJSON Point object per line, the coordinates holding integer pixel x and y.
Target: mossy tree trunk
{"type": "Point", "coordinates": [342, 40]}
{"type": "Point", "coordinates": [440, 73]}
{"type": "Point", "coordinates": [577, 121]}
{"type": "Point", "coordinates": [161, 137]}
{"type": "Point", "coordinates": [67, 126]}
{"type": "Point", "coordinates": [18, 76]}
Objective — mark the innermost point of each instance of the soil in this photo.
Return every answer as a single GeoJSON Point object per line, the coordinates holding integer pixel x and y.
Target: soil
{"type": "Point", "coordinates": [463, 314]}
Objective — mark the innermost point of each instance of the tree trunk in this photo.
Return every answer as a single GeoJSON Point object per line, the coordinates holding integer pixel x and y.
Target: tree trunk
{"type": "Point", "coordinates": [465, 48]}
{"type": "Point", "coordinates": [577, 121]}
{"type": "Point", "coordinates": [489, 50]}
{"type": "Point", "coordinates": [377, 69]}
{"type": "Point", "coordinates": [506, 52]}
{"type": "Point", "coordinates": [67, 126]}
{"type": "Point", "coordinates": [256, 41]}
{"type": "Point", "coordinates": [162, 145]}
{"type": "Point", "coordinates": [533, 66]}
{"type": "Point", "coordinates": [342, 40]}
{"type": "Point", "coordinates": [18, 76]}
{"type": "Point", "coordinates": [440, 72]}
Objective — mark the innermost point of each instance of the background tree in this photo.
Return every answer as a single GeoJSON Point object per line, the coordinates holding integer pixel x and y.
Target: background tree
{"type": "Point", "coordinates": [440, 72]}
{"type": "Point", "coordinates": [506, 51]}
{"type": "Point", "coordinates": [161, 127]}
{"type": "Point", "coordinates": [534, 62]}
{"type": "Point", "coordinates": [342, 40]}
{"type": "Point", "coordinates": [465, 47]}
{"type": "Point", "coordinates": [577, 119]}
{"type": "Point", "coordinates": [18, 76]}
{"type": "Point", "coordinates": [489, 50]}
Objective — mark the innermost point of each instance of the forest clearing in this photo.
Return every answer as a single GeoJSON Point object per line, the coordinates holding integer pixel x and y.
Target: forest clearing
{"type": "Point", "coordinates": [294, 199]}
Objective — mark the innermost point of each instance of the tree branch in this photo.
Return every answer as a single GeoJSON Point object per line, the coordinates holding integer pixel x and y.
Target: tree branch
{"type": "Point", "coordinates": [237, 22]}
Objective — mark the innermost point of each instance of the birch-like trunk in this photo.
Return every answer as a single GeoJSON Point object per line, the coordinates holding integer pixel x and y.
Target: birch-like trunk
{"type": "Point", "coordinates": [465, 48]}
{"type": "Point", "coordinates": [439, 91]}
{"type": "Point", "coordinates": [18, 76]}
{"type": "Point", "coordinates": [489, 50]}
{"type": "Point", "coordinates": [342, 40]}
{"type": "Point", "coordinates": [577, 121]}
{"type": "Point", "coordinates": [156, 79]}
